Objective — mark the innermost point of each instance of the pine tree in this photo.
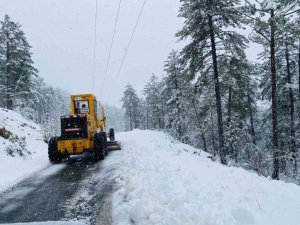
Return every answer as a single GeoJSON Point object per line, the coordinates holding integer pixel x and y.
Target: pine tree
{"type": "Point", "coordinates": [239, 133]}
{"type": "Point", "coordinates": [154, 104]}
{"type": "Point", "coordinates": [286, 72]}
{"type": "Point", "coordinates": [268, 32]}
{"type": "Point", "coordinates": [175, 95]}
{"type": "Point", "coordinates": [131, 106]}
{"type": "Point", "coordinates": [211, 27]}
{"type": "Point", "coordinates": [16, 65]}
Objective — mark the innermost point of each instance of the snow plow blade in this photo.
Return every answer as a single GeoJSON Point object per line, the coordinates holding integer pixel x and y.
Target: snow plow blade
{"type": "Point", "coordinates": [113, 145]}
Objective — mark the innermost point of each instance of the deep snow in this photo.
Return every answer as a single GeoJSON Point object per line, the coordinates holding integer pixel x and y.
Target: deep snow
{"type": "Point", "coordinates": [15, 168]}
{"type": "Point", "coordinates": [164, 182]}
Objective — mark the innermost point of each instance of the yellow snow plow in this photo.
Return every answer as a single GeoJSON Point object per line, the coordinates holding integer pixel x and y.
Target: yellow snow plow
{"type": "Point", "coordinates": [84, 130]}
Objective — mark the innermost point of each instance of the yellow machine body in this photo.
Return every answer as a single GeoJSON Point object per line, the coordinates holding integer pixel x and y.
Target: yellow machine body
{"type": "Point", "coordinates": [83, 106]}
{"type": "Point", "coordinates": [74, 147]}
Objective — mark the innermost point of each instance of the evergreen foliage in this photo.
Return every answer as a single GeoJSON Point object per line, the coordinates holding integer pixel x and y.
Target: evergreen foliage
{"type": "Point", "coordinates": [16, 65]}
{"type": "Point", "coordinates": [245, 114]}
{"type": "Point", "coordinates": [273, 23]}
{"type": "Point", "coordinates": [154, 104]}
{"type": "Point", "coordinates": [211, 27]}
{"type": "Point", "coordinates": [210, 96]}
{"type": "Point", "coordinates": [21, 88]}
{"type": "Point", "coordinates": [132, 109]}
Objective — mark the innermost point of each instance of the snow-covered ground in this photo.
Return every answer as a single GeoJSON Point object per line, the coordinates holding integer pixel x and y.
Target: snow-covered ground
{"type": "Point", "coordinates": [22, 149]}
{"type": "Point", "coordinates": [160, 181]}
{"type": "Point", "coordinates": [165, 182]}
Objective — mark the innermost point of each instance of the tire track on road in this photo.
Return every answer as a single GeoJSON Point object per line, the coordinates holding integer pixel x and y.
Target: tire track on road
{"type": "Point", "coordinates": [77, 191]}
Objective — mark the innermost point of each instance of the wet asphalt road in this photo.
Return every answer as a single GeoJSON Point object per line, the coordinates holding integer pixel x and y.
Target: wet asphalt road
{"type": "Point", "coordinates": [78, 189]}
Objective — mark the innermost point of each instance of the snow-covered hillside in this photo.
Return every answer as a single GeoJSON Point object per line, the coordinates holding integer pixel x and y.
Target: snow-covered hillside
{"type": "Point", "coordinates": [165, 182]}
{"type": "Point", "coordinates": [22, 149]}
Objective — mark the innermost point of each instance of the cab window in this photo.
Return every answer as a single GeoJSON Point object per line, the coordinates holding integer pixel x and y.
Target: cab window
{"type": "Point", "coordinates": [82, 107]}
{"type": "Point", "coordinates": [95, 109]}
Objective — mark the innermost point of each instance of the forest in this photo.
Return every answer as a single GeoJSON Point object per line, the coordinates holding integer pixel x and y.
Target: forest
{"type": "Point", "coordinates": [21, 87]}
{"type": "Point", "coordinates": [203, 97]}
{"type": "Point", "coordinates": [246, 114]}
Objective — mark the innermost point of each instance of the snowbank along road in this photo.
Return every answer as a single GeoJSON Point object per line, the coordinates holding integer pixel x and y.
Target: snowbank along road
{"type": "Point", "coordinates": [22, 149]}
{"type": "Point", "coordinates": [166, 182]}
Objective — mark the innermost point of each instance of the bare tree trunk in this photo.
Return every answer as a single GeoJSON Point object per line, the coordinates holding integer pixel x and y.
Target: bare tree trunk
{"type": "Point", "coordinates": [130, 122]}
{"type": "Point", "coordinates": [204, 142]}
{"type": "Point", "coordinates": [275, 174]}
{"type": "Point", "coordinates": [213, 133]}
{"type": "Point", "coordinates": [229, 149]}
{"type": "Point", "coordinates": [252, 130]}
{"type": "Point", "coordinates": [8, 83]}
{"type": "Point", "coordinates": [217, 92]}
{"type": "Point", "coordinates": [229, 105]}
{"type": "Point", "coordinates": [199, 125]}
{"type": "Point", "coordinates": [299, 68]}
{"type": "Point", "coordinates": [159, 121]}
{"type": "Point", "coordinates": [299, 76]}
{"type": "Point", "coordinates": [163, 114]}
{"type": "Point", "coordinates": [135, 119]}
{"type": "Point", "coordinates": [179, 130]}
{"type": "Point", "coordinates": [292, 110]}
{"type": "Point", "coordinates": [147, 114]}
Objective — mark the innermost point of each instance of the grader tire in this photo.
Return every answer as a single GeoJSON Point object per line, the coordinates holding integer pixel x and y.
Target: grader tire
{"type": "Point", "coordinates": [53, 154]}
{"type": "Point", "coordinates": [112, 134]}
{"type": "Point", "coordinates": [105, 142]}
{"type": "Point", "coordinates": [99, 147]}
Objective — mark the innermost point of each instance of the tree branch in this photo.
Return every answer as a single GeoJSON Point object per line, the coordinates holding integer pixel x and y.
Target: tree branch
{"type": "Point", "coordinates": [298, 10]}
{"type": "Point", "coordinates": [293, 6]}
{"type": "Point", "coordinates": [264, 36]}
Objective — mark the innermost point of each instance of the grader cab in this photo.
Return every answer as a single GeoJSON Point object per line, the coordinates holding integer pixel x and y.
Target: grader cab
{"type": "Point", "coordinates": [84, 130]}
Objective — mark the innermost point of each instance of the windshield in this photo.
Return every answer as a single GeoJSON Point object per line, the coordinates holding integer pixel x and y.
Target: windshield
{"type": "Point", "coordinates": [81, 107]}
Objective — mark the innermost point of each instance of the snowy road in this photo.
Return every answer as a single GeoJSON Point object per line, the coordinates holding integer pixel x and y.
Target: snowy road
{"type": "Point", "coordinates": [77, 190]}
{"type": "Point", "coordinates": [153, 180]}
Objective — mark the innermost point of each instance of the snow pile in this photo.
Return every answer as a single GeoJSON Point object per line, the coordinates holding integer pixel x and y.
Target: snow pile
{"type": "Point", "coordinates": [162, 182]}
{"type": "Point", "coordinates": [22, 149]}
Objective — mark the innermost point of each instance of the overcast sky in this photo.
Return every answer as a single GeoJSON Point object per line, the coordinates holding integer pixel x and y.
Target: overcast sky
{"type": "Point", "coordinates": [62, 35]}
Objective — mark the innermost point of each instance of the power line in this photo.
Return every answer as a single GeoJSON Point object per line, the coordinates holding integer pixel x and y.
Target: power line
{"type": "Point", "coordinates": [111, 45]}
{"type": "Point", "coordinates": [130, 40]}
{"type": "Point", "coordinates": [113, 37]}
{"type": "Point", "coordinates": [95, 41]}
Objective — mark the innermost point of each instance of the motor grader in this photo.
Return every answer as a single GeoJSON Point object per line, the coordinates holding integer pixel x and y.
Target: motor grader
{"type": "Point", "coordinates": [84, 130]}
